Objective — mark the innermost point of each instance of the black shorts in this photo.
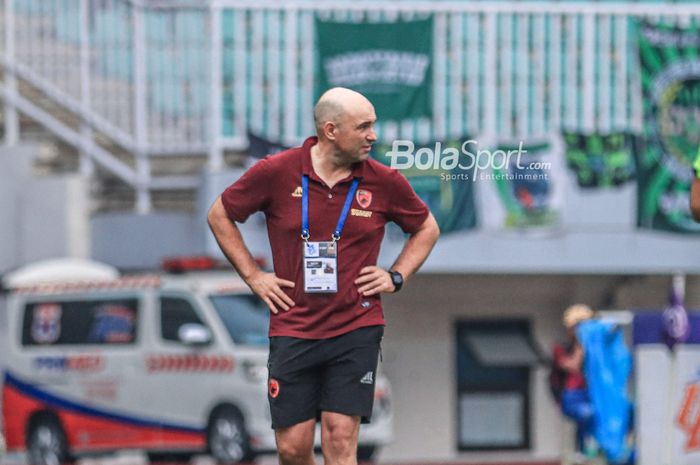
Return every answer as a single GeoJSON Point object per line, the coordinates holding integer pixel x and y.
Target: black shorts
{"type": "Point", "coordinates": [308, 376]}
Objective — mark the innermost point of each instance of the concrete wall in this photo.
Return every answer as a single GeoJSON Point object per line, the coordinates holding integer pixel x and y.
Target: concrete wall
{"type": "Point", "coordinates": [41, 216]}
{"type": "Point", "coordinates": [420, 359]}
{"type": "Point", "coordinates": [132, 241]}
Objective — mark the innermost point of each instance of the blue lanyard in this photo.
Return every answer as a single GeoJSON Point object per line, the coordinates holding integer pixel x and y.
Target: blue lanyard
{"type": "Point", "coordinates": [305, 208]}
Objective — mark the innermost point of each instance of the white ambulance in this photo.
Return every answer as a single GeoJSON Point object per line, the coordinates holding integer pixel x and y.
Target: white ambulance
{"type": "Point", "coordinates": [171, 364]}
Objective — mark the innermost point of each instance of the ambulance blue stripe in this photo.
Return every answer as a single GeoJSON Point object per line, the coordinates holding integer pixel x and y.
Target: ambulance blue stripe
{"type": "Point", "coordinates": [58, 402]}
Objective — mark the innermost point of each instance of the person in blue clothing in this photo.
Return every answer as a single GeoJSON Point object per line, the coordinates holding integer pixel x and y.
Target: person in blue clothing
{"type": "Point", "coordinates": [568, 358]}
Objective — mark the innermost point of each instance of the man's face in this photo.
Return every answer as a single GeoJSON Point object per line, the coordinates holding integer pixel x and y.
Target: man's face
{"type": "Point", "coordinates": [354, 134]}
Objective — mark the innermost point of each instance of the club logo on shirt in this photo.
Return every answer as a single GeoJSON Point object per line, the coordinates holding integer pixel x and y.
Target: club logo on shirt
{"type": "Point", "coordinates": [297, 192]}
{"type": "Point", "coordinates": [273, 388]}
{"type": "Point", "coordinates": [364, 198]}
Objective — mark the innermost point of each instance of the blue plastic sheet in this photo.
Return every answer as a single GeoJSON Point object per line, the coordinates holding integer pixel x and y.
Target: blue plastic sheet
{"type": "Point", "coordinates": [607, 366]}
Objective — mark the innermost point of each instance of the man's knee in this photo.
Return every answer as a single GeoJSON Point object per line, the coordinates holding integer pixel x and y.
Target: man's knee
{"type": "Point", "coordinates": [342, 439]}
{"type": "Point", "coordinates": [295, 445]}
{"type": "Point", "coordinates": [340, 434]}
{"type": "Point", "coordinates": [295, 452]}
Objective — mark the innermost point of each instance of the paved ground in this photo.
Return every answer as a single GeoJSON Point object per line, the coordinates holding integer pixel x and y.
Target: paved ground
{"type": "Point", "coordinates": [137, 458]}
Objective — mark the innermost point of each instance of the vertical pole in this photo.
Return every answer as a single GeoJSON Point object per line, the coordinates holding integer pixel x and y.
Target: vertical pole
{"type": "Point", "coordinates": [216, 156]}
{"type": "Point", "coordinates": [291, 110]}
{"type": "Point", "coordinates": [589, 83]}
{"type": "Point", "coordinates": [490, 74]}
{"type": "Point", "coordinates": [87, 165]}
{"type": "Point", "coordinates": [140, 119]}
{"type": "Point", "coordinates": [11, 117]}
{"type": "Point", "coordinates": [440, 77]}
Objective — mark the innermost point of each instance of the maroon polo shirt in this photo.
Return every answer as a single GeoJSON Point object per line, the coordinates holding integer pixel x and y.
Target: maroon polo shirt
{"type": "Point", "coordinates": [273, 186]}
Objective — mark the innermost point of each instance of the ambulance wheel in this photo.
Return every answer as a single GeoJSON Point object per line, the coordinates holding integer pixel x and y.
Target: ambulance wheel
{"type": "Point", "coordinates": [46, 442]}
{"type": "Point", "coordinates": [227, 437]}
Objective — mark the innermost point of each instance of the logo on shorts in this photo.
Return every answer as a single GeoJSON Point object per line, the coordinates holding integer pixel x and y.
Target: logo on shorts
{"type": "Point", "coordinates": [364, 198]}
{"type": "Point", "coordinates": [297, 192]}
{"type": "Point", "coordinates": [273, 388]}
{"type": "Point", "coordinates": [368, 378]}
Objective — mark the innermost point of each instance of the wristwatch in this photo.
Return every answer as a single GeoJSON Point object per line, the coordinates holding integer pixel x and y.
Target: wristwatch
{"type": "Point", "coordinates": [397, 279]}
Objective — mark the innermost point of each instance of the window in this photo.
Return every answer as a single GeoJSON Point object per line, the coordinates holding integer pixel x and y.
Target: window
{"type": "Point", "coordinates": [100, 321]}
{"type": "Point", "coordinates": [175, 312]}
{"type": "Point", "coordinates": [246, 317]}
{"type": "Point", "coordinates": [493, 384]}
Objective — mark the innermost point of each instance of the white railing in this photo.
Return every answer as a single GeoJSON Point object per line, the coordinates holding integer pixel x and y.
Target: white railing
{"type": "Point", "coordinates": [143, 74]}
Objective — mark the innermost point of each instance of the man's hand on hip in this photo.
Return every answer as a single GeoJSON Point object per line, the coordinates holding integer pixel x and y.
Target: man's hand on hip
{"type": "Point", "coordinates": [373, 280]}
{"type": "Point", "coordinates": [269, 288]}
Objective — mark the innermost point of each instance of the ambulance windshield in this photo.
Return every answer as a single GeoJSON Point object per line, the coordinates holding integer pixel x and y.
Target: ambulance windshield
{"type": "Point", "coordinates": [246, 317]}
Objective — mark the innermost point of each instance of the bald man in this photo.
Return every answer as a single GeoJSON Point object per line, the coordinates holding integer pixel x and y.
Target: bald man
{"type": "Point", "coordinates": [326, 204]}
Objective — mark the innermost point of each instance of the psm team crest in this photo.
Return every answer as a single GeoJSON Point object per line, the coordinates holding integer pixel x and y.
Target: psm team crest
{"type": "Point", "coordinates": [364, 198]}
{"type": "Point", "coordinates": [273, 388]}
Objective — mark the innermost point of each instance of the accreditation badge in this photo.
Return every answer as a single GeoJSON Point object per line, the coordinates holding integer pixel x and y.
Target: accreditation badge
{"type": "Point", "coordinates": [320, 267]}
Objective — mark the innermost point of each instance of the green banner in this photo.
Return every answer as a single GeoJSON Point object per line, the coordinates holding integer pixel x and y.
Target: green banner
{"type": "Point", "coordinates": [390, 63]}
{"type": "Point", "coordinates": [670, 60]}
{"type": "Point", "coordinates": [600, 160]}
{"type": "Point", "coordinates": [450, 200]}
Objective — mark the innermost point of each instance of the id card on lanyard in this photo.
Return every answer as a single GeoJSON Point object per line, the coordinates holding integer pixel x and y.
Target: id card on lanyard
{"type": "Point", "coordinates": [320, 259]}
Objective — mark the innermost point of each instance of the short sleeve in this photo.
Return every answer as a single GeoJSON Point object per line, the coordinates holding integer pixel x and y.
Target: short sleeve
{"type": "Point", "coordinates": [696, 165]}
{"type": "Point", "coordinates": [405, 208]}
{"type": "Point", "coordinates": [249, 194]}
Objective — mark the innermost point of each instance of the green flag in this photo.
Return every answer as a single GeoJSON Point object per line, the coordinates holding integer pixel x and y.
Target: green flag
{"type": "Point", "coordinates": [670, 60]}
{"type": "Point", "coordinates": [390, 63]}
{"type": "Point", "coordinates": [600, 160]}
{"type": "Point", "coordinates": [450, 201]}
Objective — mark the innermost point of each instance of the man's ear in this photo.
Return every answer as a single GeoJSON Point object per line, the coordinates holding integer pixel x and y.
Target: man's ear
{"type": "Point", "coordinates": [329, 130]}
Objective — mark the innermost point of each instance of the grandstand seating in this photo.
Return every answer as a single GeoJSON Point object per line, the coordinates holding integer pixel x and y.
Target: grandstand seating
{"type": "Point", "coordinates": [531, 85]}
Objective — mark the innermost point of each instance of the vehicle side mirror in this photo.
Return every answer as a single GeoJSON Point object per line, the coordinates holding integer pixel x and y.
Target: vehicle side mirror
{"type": "Point", "coordinates": [194, 334]}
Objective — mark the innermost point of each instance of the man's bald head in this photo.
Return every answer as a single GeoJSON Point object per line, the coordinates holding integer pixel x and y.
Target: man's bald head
{"type": "Point", "coordinates": [335, 103]}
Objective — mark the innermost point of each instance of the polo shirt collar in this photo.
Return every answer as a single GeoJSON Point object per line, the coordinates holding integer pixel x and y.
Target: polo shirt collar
{"type": "Point", "coordinates": [358, 169]}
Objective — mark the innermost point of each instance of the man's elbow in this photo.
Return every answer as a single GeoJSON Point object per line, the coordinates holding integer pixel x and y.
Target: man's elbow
{"type": "Point", "coordinates": [215, 213]}
{"type": "Point", "coordinates": [433, 228]}
{"type": "Point", "coordinates": [695, 199]}
{"type": "Point", "coordinates": [436, 231]}
{"type": "Point", "coordinates": [695, 211]}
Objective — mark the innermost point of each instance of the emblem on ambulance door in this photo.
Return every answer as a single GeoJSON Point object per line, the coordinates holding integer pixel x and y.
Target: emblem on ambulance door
{"type": "Point", "coordinates": [364, 198]}
{"type": "Point", "coordinates": [46, 323]}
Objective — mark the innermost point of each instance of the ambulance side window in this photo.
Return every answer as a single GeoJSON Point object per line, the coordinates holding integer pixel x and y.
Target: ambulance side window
{"type": "Point", "coordinates": [175, 312]}
{"type": "Point", "coordinates": [80, 322]}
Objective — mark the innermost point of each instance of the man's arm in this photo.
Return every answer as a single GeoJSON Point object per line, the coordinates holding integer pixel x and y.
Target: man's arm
{"type": "Point", "coordinates": [228, 236]}
{"type": "Point", "coordinates": [373, 280]}
{"type": "Point", "coordinates": [695, 198]}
